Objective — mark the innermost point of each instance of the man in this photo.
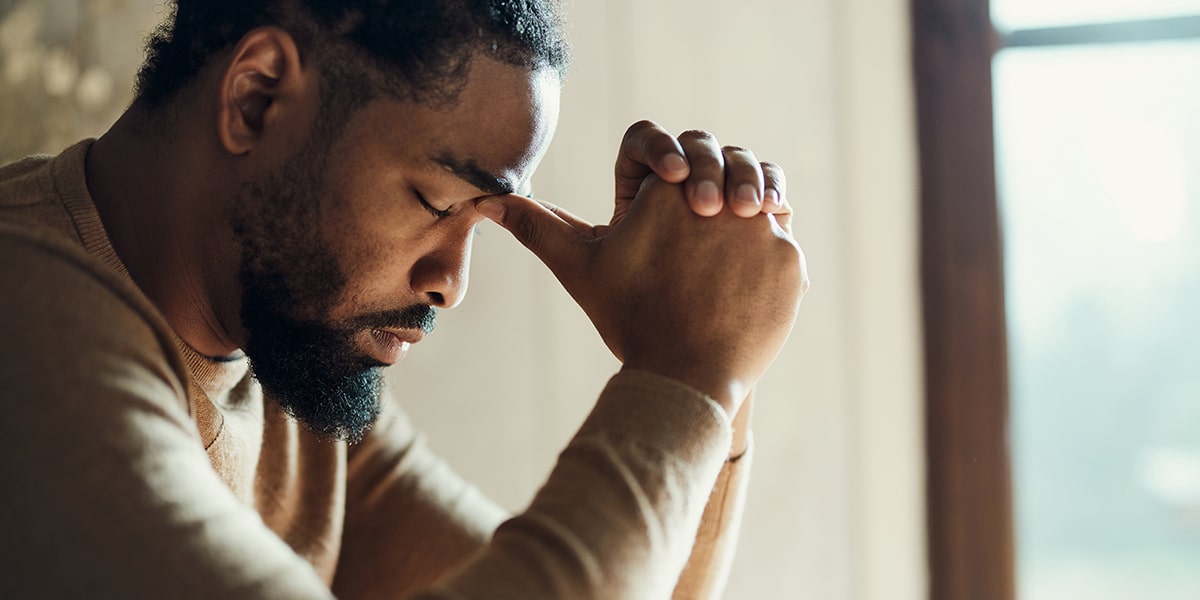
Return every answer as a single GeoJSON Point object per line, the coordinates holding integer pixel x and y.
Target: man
{"type": "Point", "coordinates": [199, 303]}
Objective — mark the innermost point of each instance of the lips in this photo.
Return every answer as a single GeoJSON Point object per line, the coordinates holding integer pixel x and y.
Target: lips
{"type": "Point", "coordinates": [389, 346]}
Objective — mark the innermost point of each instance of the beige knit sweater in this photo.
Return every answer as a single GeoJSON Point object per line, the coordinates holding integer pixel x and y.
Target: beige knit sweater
{"type": "Point", "coordinates": [133, 467]}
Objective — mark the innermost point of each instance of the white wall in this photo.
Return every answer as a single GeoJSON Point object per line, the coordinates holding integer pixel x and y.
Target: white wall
{"type": "Point", "coordinates": [823, 88]}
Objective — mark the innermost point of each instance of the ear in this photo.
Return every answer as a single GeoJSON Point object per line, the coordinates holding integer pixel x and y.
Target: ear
{"type": "Point", "coordinates": [262, 86]}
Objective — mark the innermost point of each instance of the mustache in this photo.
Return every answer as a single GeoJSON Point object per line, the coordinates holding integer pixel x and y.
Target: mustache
{"type": "Point", "coordinates": [416, 316]}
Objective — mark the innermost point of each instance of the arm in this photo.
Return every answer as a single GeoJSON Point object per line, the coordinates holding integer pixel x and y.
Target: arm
{"type": "Point", "coordinates": [708, 567]}
{"type": "Point", "coordinates": [109, 492]}
{"type": "Point", "coordinates": [706, 302]}
{"type": "Point", "coordinates": [409, 518]}
{"type": "Point", "coordinates": [618, 515]}
{"type": "Point", "coordinates": [648, 148]}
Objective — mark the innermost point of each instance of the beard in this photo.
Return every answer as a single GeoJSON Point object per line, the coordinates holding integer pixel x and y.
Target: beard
{"type": "Point", "coordinates": [305, 361]}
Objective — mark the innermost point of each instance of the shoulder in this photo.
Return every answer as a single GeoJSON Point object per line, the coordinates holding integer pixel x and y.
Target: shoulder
{"type": "Point", "coordinates": [25, 181]}
{"type": "Point", "coordinates": [37, 192]}
{"type": "Point", "coordinates": [69, 320]}
{"type": "Point", "coordinates": [109, 491]}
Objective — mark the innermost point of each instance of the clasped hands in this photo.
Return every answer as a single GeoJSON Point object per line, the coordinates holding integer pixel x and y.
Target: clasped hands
{"type": "Point", "coordinates": [696, 277]}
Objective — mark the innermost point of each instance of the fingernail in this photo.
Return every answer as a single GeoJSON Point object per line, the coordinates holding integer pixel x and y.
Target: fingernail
{"type": "Point", "coordinates": [707, 195]}
{"type": "Point", "coordinates": [746, 194]}
{"type": "Point", "coordinates": [491, 209]}
{"type": "Point", "coordinates": [674, 162]}
{"type": "Point", "coordinates": [772, 197]}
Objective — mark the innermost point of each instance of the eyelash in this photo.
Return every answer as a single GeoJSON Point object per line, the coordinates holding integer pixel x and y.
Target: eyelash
{"type": "Point", "coordinates": [441, 214]}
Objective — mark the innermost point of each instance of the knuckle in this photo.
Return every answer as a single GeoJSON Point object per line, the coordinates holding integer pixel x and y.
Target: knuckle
{"type": "Point", "coordinates": [526, 229]}
{"type": "Point", "coordinates": [796, 265]}
{"type": "Point", "coordinates": [640, 127]}
{"type": "Point", "coordinates": [698, 135]}
{"type": "Point", "coordinates": [789, 252]}
{"type": "Point", "coordinates": [772, 168]}
{"type": "Point", "coordinates": [775, 175]}
{"type": "Point", "coordinates": [736, 150]}
{"type": "Point", "coordinates": [652, 184]}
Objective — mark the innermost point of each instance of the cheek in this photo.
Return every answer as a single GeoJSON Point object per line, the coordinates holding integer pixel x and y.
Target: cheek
{"type": "Point", "coordinates": [375, 285]}
{"type": "Point", "coordinates": [376, 253]}
{"type": "Point", "coordinates": [377, 273]}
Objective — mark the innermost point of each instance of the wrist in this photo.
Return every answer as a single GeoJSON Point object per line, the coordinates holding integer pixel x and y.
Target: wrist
{"type": "Point", "coordinates": [741, 428]}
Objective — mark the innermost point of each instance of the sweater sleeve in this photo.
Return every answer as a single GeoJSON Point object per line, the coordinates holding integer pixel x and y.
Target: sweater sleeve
{"type": "Point", "coordinates": [409, 517]}
{"type": "Point", "coordinates": [108, 490]}
{"type": "Point", "coordinates": [708, 567]}
{"type": "Point", "coordinates": [618, 516]}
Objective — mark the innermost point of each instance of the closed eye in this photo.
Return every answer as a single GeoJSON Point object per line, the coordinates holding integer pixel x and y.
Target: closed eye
{"type": "Point", "coordinates": [441, 214]}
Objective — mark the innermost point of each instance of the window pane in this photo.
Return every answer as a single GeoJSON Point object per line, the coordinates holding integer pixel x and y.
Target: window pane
{"type": "Point", "coordinates": [1023, 14]}
{"type": "Point", "coordinates": [1098, 152]}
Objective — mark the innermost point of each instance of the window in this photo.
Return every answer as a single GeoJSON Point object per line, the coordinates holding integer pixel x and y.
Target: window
{"type": "Point", "coordinates": [1097, 148]}
{"type": "Point", "coordinates": [1098, 157]}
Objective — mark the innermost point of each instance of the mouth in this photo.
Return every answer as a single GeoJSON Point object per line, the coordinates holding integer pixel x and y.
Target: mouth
{"type": "Point", "coordinates": [389, 346]}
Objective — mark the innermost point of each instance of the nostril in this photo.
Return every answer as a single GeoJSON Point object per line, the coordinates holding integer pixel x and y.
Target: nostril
{"type": "Point", "coordinates": [437, 299]}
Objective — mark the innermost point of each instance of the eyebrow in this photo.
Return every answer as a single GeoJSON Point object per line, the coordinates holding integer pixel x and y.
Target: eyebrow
{"type": "Point", "coordinates": [469, 171]}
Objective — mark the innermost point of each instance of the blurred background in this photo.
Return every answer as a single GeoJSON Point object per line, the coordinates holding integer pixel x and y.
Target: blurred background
{"type": "Point", "coordinates": [1098, 156]}
{"type": "Point", "coordinates": [1097, 151]}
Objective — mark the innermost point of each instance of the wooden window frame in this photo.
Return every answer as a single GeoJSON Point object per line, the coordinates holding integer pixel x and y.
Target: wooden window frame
{"type": "Point", "coordinates": [969, 491]}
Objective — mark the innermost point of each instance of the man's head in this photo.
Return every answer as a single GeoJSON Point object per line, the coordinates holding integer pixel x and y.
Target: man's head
{"type": "Point", "coordinates": [410, 49]}
{"type": "Point", "coordinates": [356, 136]}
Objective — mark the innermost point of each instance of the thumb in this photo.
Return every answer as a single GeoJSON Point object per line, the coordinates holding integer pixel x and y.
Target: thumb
{"type": "Point", "coordinates": [555, 241]}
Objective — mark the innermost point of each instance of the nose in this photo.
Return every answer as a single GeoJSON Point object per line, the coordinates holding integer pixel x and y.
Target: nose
{"type": "Point", "coordinates": [442, 273]}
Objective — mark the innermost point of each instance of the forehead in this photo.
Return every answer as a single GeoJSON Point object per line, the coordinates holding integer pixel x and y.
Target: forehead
{"type": "Point", "coordinates": [501, 124]}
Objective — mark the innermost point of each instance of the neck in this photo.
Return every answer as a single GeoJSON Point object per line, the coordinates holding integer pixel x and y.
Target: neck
{"type": "Point", "coordinates": [162, 202]}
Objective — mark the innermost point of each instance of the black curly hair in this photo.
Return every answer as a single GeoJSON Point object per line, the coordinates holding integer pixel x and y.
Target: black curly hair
{"type": "Point", "coordinates": [415, 50]}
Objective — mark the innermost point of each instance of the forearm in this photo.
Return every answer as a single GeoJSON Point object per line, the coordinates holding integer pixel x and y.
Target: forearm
{"type": "Point", "coordinates": [407, 514]}
{"type": "Point", "coordinates": [618, 517]}
{"type": "Point", "coordinates": [712, 555]}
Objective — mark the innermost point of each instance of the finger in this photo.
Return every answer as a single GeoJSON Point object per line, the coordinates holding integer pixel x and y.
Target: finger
{"type": "Point", "coordinates": [648, 148]}
{"type": "Point", "coordinates": [743, 181]}
{"type": "Point", "coordinates": [707, 180]}
{"type": "Point", "coordinates": [554, 240]}
{"type": "Point", "coordinates": [783, 216]}
{"type": "Point", "coordinates": [775, 199]}
{"type": "Point", "coordinates": [584, 228]}
{"type": "Point", "coordinates": [774, 188]}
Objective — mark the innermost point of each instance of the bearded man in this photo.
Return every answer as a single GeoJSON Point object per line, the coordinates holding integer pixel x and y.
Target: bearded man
{"type": "Point", "coordinates": [199, 305]}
